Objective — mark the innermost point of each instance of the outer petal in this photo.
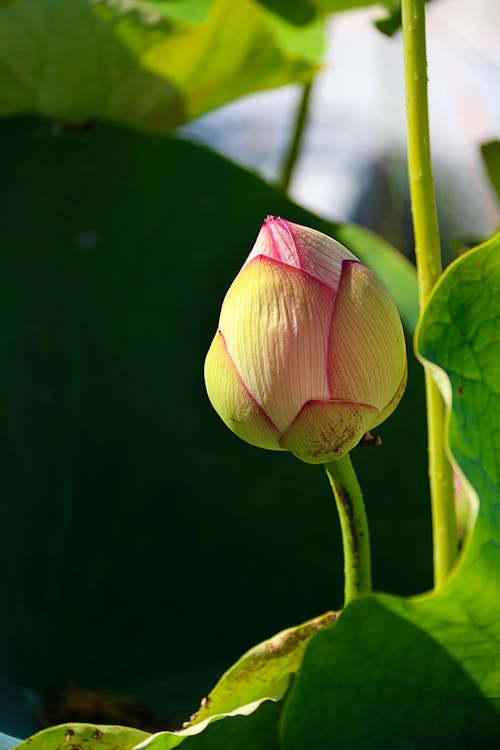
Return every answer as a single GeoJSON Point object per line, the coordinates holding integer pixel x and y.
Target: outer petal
{"type": "Point", "coordinates": [326, 430]}
{"type": "Point", "coordinates": [232, 401]}
{"type": "Point", "coordinates": [275, 320]}
{"type": "Point", "coordinates": [367, 353]}
{"type": "Point", "coordinates": [382, 416]}
{"type": "Point", "coordinates": [301, 247]}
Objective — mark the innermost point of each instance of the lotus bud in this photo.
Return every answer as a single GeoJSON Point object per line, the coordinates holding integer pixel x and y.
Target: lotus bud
{"type": "Point", "coordinates": [310, 352]}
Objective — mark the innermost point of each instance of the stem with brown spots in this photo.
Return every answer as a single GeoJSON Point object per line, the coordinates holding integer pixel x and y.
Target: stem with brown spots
{"type": "Point", "coordinates": [354, 527]}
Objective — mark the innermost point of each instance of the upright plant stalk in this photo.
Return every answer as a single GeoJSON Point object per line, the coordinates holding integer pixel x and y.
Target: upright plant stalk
{"type": "Point", "coordinates": [429, 267]}
{"type": "Point", "coordinates": [297, 138]}
{"type": "Point", "coordinates": [354, 527]}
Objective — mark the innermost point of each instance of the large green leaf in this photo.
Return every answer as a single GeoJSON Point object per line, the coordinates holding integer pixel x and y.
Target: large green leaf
{"type": "Point", "coordinates": [123, 61]}
{"type": "Point", "coordinates": [143, 546]}
{"type": "Point", "coordinates": [459, 334]}
{"type": "Point", "coordinates": [425, 672]}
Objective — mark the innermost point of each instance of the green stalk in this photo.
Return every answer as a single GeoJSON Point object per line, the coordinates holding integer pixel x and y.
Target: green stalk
{"type": "Point", "coordinates": [429, 267]}
{"type": "Point", "coordinates": [297, 138]}
{"type": "Point", "coordinates": [354, 527]}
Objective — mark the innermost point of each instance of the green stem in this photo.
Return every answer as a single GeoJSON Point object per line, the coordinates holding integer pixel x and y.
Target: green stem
{"type": "Point", "coordinates": [429, 267]}
{"type": "Point", "coordinates": [297, 138]}
{"type": "Point", "coordinates": [354, 527]}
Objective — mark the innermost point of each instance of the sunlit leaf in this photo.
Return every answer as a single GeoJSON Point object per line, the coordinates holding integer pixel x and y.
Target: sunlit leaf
{"type": "Point", "coordinates": [264, 671]}
{"type": "Point", "coordinates": [193, 11]}
{"type": "Point", "coordinates": [84, 737]}
{"type": "Point", "coordinates": [122, 60]}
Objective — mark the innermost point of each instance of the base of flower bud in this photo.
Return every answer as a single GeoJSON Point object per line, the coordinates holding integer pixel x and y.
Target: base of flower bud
{"type": "Point", "coordinates": [368, 440]}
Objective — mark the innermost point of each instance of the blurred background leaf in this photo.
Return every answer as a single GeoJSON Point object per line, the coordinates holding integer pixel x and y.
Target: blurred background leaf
{"type": "Point", "coordinates": [298, 12]}
{"type": "Point", "coordinates": [144, 547]}
{"type": "Point", "coordinates": [193, 11]}
{"type": "Point", "coordinates": [331, 6]}
{"type": "Point", "coordinates": [491, 158]}
{"type": "Point", "coordinates": [121, 60]}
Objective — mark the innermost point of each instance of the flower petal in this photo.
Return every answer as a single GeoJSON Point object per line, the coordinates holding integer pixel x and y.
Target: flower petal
{"type": "Point", "coordinates": [275, 320]}
{"type": "Point", "coordinates": [367, 354]}
{"type": "Point", "coordinates": [301, 247]}
{"type": "Point", "coordinates": [232, 401]}
{"type": "Point", "coordinates": [382, 415]}
{"type": "Point", "coordinates": [326, 430]}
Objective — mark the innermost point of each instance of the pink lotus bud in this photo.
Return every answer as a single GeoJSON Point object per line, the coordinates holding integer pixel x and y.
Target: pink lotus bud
{"type": "Point", "coordinates": [310, 352]}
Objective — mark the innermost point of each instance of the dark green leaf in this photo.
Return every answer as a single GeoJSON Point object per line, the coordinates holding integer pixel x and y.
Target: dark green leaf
{"type": "Point", "coordinates": [491, 157]}
{"type": "Point", "coordinates": [333, 6]}
{"type": "Point", "coordinates": [391, 22]}
{"type": "Point", "coordinates": [143, 546]}
{"type": "Point", "coordinates": [259, 731]}
{"type": "Point", "coordinates": [426, 672]}
{"type": "Point", "coordinates": [388, 24]}
{"type": "Point", "coordinates": [298, 12]}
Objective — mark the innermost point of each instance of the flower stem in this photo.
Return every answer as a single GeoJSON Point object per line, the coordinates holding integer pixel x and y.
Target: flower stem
{"type": "Point", "coordinates": [297, 138]}
{"type": "Point", "coordinates": [354, 527]}
{"type": "Point", "coordinates": [429, 267]}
